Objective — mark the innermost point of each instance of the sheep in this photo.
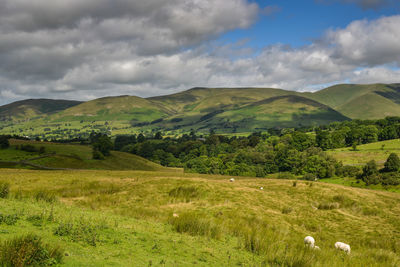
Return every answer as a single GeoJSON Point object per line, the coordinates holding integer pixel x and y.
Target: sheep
{"type": "Point", "coordinates": [309, 241]}
{"type": "Point", "coordinates": [175, 215]}
{"type": "Point", "coordinates": [232, 180]}
{"type": "Point", "coordinates": [343, 246]}
{"type": "Point", "coordinates": [261, 188]}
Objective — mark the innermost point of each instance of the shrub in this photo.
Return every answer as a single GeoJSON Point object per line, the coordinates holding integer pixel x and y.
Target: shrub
{"type": "Point", "coordinates": [4, 189]}
{"type": "Point", "coordinates": [4, 143]}
{"type": "Point", "coordinates": [97, 155]}
{"type": "Point", "coordinates": [309, 177]}
{"type": "Point", "coordinates": [9, 219]}
{"type": "Point", "coordinates": [29, 250]}
{"type": "Point", "coordinates": [392, 163]}
{"type": "Point", "coordinates": [29, 148]}
{"type": "Point", "coordinates": [79, 231]}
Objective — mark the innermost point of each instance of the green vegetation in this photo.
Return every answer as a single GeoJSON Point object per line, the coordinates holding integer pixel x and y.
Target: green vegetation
{"type": "Point", "coordinates": [128, 218]}
{"type": "Point", "coordinates": [70, 156]}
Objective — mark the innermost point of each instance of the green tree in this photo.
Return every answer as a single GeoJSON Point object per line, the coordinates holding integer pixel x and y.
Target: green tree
{"type": "Point", "coordinates": [103, 145]}
{"type": "Point", "coordinates": [392, 163]}
{"type": "Point", "coordinates": [4, 143]}
{"type": "Point", "coordinates": [370, 174]}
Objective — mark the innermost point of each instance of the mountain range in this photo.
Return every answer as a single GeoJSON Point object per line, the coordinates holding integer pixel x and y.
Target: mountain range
{"type": "Point", "coordinates": [202, 109]}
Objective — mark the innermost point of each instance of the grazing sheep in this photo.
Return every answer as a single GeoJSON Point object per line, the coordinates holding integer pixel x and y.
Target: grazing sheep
{"type": "Point", "coordinates": [261, 188]}
{"type": "Point", "coordinates": [343, 246]}
{"type": "Point", "coordinates": [309, 241]}
{"type": "Point", "coordinates": [232, 180]}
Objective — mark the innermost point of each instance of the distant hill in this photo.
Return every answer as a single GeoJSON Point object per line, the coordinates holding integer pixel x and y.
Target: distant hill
{"type": "Point", "coordinates": [371, 101]}
{"type": "Point", "coordinates": [120, 108]}
{"type": "Point", "coordinates": [222, 109]}
{"type": "Point", "coordinates": [31, 108]}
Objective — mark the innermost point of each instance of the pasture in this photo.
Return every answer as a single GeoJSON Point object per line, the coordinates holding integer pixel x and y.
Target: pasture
{"type": "Point", "coordinates": [126, 218]}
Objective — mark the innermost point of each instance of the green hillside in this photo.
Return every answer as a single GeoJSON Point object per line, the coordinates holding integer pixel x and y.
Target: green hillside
{"type": "Point", "coordinates": [125, 218]}
{"type": "Point", "coordinates": [70, 156]}
{"type": "Point", "coordinates": [226, 110]}
{"type": "Point", "coordinates": [31, 108]}
{"type": "Point", "coordinates": [372, 101]}
{"type": "Point", "coordinates": [120, 108]}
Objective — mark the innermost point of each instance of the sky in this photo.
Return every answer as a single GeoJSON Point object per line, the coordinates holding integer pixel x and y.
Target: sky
{"type": "Point", "coordinates": [74, 49]}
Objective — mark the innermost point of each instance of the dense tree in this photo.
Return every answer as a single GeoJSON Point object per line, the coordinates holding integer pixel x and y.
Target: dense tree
{"type": "Point", "coordinates": [392, 163]}
{"type": "Point", "coordinates": [4, 143]}
{"type": "Point", "coordinates": [103, 145]}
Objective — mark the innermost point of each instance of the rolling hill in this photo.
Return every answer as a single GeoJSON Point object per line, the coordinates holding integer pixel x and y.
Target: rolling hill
{"type": "Point", "coordinates": [371, 101]}
{"type": "Point", "coordinates": [72, 156]}
{"type": "Point", "coordinates": [222, 109]}
{"type": "Point", "coordinates": [32, 108]}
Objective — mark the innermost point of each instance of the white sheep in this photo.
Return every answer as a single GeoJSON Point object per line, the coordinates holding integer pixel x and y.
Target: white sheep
{"type": "Point", "coordinates": [343, 246]}
{"type": "Point", "coordinates": [232, 180]}
{"type": "Point", "coordinates": [309, 241]}
{"type": "Point", "coordinates": [261, 188]}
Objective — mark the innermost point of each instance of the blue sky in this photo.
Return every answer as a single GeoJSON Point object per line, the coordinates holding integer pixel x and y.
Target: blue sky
{"type": "Point", "coordinates": [298, 22]}
{"type": "Point", "coordinates": [74, 49]}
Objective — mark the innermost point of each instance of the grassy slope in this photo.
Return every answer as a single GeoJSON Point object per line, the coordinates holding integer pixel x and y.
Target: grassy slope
{"type": "Point", "coordinates": [372, 101]}
{"type": "Point", "coordinates": [28, 109]}
{"type": "Point", "coordinates": [244, 109]}
{"type": "Point", "coordinates": [220, 108]}
{"type": "Point", "coordinates": [79, 157]}
{"type": "Point", "coordinates": [367, 152]}
{"type": "Point", "coordinates": [137, 209]}
{"type": "Point", "coordinates": [113, 108]}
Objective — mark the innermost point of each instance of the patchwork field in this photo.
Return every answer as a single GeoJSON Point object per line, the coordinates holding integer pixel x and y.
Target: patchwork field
{"type": "Point", "coordinates": [378, 151]}
{"type": "Point", "coordinates": [125, 218]}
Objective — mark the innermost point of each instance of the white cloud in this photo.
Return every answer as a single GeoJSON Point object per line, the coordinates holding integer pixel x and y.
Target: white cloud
{"type": "Point", "coordinates": [80, 51]}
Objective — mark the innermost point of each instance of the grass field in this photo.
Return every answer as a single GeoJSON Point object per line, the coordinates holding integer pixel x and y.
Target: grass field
{"type": "Point", "coordinates": [74, 156]}
{"type": "Point", "coordinates": [217, 223]}
{"type": "Point", "coordinates": [378, 151]}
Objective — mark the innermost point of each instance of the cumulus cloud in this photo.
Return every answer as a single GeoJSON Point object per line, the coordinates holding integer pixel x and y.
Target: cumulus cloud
{"type": "Point", "coordinates": [86, 49]}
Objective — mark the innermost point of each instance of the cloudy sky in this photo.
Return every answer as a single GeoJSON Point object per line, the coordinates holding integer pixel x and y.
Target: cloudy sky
{"type": "Point", "coordinates": [74, 49]}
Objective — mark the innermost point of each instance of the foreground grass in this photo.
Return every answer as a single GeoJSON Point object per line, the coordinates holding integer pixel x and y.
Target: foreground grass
{"type": "Point", "coordinates": [216, 223]}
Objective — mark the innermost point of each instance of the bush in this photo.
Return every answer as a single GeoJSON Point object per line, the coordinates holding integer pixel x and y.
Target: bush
{"type": "Point", "coordinates": [4, 189]}
{"type": "Point", "coordinates": [309, 177]}
{"type": "Point", "coordinates": [9, 219]}
{"type": "Point", "coordinates": [97, 155]}
{"type": "Point", "coordinates": [29, 148]}
{"type": "Point", "coordinates": [79, 231]}
{"type": "Point", "coordinates": [29, 250]}
{"type": "Point", "coordinates": [349, 171]}
{"type": "Point", "coordinates": [4, 143]}
{"type": "Point", "coordinates": [390, 178]}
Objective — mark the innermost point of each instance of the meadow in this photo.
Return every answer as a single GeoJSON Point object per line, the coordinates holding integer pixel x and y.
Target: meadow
{"type": "Point", "coordinates": [378, 151]}
{"type": "Point", "coordinates": [126, 218]}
